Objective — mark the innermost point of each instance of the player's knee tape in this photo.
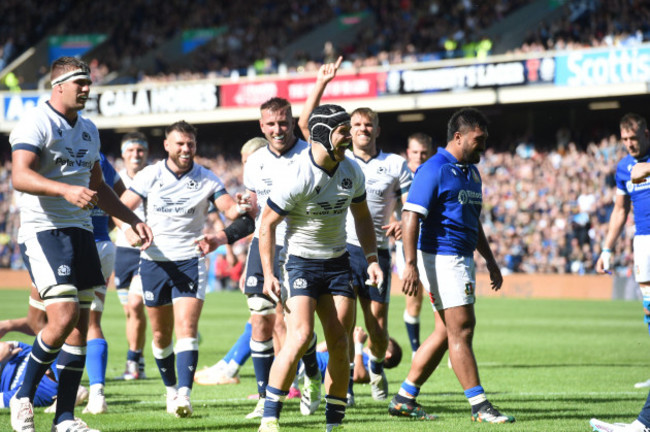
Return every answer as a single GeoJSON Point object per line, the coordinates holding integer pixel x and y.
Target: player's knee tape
{"type": "Point", "coordinates": [123, 296]}
{"type": "Point", "coordinates": [86, 297]}
{"type": "Point", "coordinates": [59, 294]}
{"type": "Point", "coordinates": [161, 353]}
{"type": "Point", "coordinates": [259, 305]}
{"type": "Point", "coordinates": [97, 305]}
{"type": "Point", "coordinates": [37, 304]}
{"type": "Point", "coordinates": [186, 344]}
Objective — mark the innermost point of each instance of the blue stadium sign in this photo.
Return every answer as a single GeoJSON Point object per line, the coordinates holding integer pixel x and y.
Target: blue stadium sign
{"type": "Point", "coordinates": [15, 105]}
{"type": "Point", "coordinates": [599, 67]}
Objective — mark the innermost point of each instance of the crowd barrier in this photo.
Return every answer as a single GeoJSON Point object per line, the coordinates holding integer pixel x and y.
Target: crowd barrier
{"type": "Point", "coordinates": [549, 286]}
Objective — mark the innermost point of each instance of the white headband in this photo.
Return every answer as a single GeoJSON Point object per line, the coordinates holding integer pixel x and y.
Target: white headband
{"type": "Point", "coordinates": [71, 76]}
{"type": "Point", "coordinates": [130, 143]}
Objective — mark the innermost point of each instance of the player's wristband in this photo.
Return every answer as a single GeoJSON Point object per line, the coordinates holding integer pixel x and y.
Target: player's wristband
{"type": "Point", "coordinates": [371, 255]}
{"type": "Point", "coordinates": [358, 348]}
{"type": "Point", "coordinates": [607, 250]}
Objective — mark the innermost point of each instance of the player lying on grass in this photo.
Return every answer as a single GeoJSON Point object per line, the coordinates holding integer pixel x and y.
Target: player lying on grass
{"type": "Point", "coordinates": [13, 358]}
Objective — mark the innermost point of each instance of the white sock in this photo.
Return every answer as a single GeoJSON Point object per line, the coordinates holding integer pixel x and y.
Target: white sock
{"type": "Point", "coordinates": [232, 369]}
{"type": "Point", "coordinates": [96, 390]}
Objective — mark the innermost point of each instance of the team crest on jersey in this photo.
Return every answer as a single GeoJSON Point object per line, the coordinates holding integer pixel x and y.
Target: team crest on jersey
{"type": "Point", "coordinates": [251, 281]}
{"type": "Point", "coordinates": [346, 183]}
{"type": "Point", "coordinates": [63, 270]}
{"type": "Point", "coordinates": [381, 170]}
{"type": "Point", "coordinates": [629, 186]}
{"type": "Point", "coordinates": [192, 184]}
{"type": "Point", "coordinates": [85, 136]}
{"type": "Point", "coordinates": [300, 283]}
{"type": "Point", "coordinates": [60, 132]}
{"type": "Point", "coordinates": [462, 196]}
{"type": "Point", "coordinates": [79, 154]}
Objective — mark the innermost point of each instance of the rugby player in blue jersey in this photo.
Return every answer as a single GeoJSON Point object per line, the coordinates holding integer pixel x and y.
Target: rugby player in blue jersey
{"type": "Point", "coordinates": [441, 230]}
{"type": "Point", "coordinates": [632, 190]}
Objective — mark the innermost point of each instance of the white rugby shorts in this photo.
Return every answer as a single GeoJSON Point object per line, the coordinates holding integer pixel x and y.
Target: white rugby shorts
{"type": "Point", "coordinates": [641, 246]}
{"type": "Point", "coordinates": [449, 280]}
{"type": "Point", "coordinates": [106, 251]}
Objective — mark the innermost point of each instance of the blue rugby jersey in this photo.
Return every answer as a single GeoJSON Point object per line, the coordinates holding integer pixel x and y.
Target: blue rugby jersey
{"type": "Point", "coordinates": [638, 193]}
{"type": "Point", "coordinates": [99, 216]}
{"type": "Point", "coordinates": [449, 197]}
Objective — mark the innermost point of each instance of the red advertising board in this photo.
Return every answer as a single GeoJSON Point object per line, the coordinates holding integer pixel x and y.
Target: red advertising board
{"type": "Point", "coordinates": [254, 93]}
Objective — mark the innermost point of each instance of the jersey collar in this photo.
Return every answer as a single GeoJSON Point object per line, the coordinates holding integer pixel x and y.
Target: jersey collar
{"type": "Point", "coordinates": [71, 123]}
{"type": "Point", "coordinates": [445, 153]}
{"type": "Point", "coordinates": [178, 177]}
{"type": "Point", "coordinates": [330, 174]}
{"type": "Point", "coordinates": [360, 160]}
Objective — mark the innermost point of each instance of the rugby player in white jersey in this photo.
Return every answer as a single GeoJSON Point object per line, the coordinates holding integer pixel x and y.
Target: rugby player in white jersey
{"type": "Point", "coordinates": [263, 169]}
{"type": "Point", "coordinates": [387, 183]}
{"type": "Point", "coordinates": [418, 150]}
{"type": "Point", "coordinates": [135, 150]}
{"type": "Point", "coordinates": [97, 346]}
{"type": "Point", "coordinates": [178, 193]}
{"type": "Point", "coordinates": [55, 166]}
{"type": "Point", "coordinates": [314, 195]}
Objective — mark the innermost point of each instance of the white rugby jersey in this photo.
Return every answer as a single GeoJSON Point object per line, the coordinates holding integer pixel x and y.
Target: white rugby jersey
{"type": "Point", "coordinates": [67, 154]}
{"type": "Point", "coordinates": [387, 179]}
{"type": "Point", "coordinates": [264, 168]}
{"type": "Point", "coordinates": [120, 239]}
{"type": "Point", "coordinates": [176, 208]}
{"type": "Point", "coordinates": [315, 205]}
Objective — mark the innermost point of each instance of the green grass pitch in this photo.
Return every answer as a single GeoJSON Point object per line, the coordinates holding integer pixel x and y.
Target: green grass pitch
{"type": "Point", "coordinates": [552, 364]}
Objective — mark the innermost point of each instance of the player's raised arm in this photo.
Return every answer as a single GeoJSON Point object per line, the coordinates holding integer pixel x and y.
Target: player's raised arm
{"type": "Point", "coordinates": [326, 73]}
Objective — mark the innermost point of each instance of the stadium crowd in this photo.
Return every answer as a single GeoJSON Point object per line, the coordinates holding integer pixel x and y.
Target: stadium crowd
{"type": "Point", "coordinates": [587, 24]}
{"type": "Point", "coordinates": [544, 211]}
{"type": "Point", "coordinates": [405, 32]}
